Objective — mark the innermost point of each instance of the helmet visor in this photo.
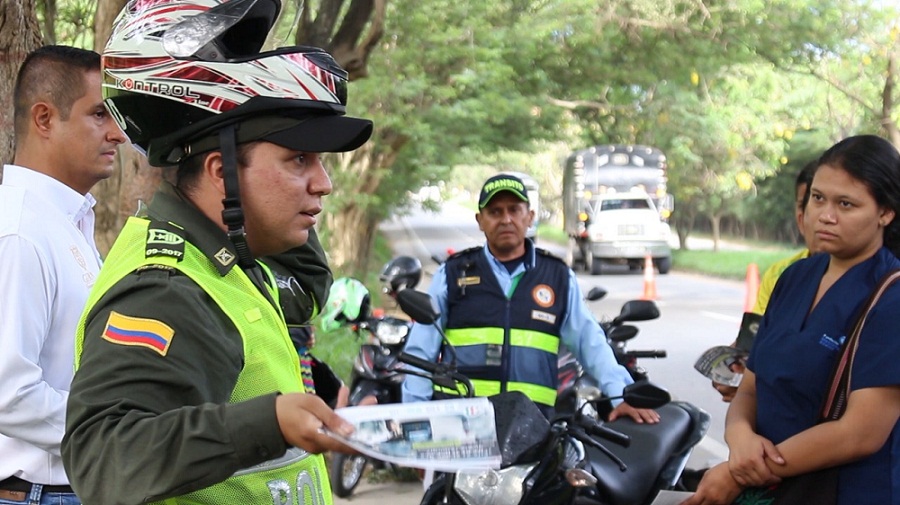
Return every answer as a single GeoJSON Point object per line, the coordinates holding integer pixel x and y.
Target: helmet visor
{"type": "Point", "coordinates": [201, 36]}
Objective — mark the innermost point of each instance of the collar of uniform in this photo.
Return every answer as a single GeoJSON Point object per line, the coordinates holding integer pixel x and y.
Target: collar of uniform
{"type": "Point", "coordinates": [529, 259]}
{"type": "Point", "coordinates": [199, 230]}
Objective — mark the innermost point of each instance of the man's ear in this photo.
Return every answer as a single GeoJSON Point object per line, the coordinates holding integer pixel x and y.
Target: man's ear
{"type": "Point", "coordinates": [213, 171]}
{"type": "Point", "coordinates": [42, 116]}
{"type": "Point", "coordinates": [478, 220]}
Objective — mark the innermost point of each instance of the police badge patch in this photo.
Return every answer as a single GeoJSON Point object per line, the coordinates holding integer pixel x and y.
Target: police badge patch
{"type": "Point", "coordinates": [543, 295]}
{"type": "Point", "coordinates": [164, 239]}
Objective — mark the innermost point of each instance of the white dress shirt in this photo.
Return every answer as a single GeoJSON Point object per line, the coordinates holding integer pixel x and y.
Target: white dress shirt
{"type": "Point", "coordinates": [48, 264]}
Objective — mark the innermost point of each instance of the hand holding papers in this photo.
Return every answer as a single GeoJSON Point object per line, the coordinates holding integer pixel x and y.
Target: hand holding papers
{"type": "Point", "coordinates": [446, 435]}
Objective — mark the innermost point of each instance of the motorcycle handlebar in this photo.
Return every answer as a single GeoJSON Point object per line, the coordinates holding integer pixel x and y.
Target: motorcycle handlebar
{"type": "Point", "coordinates": [598, 430]}
{"type": "Point", "coordinates": [657, 353]}
{"type": "Point", "coordinates": [418, 362]}
{"type": "Point", "coordinates": [441, 374]}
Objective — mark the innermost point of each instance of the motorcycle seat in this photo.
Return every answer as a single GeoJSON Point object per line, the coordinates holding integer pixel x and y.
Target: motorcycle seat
{"type": "Point", "coordinates": [652, 445]}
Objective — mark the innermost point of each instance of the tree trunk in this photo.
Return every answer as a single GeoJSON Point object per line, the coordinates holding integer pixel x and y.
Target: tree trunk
{"type": "Point", "coordinates": [892, 132]}
{"type": "Point", "coordinates": [350, 216]}
{"type": "Point", "coordinates": [106, 13]}
{"type": "Point", "coordinates": [715, 220]}
{"type": "Point", "coordinates": [20, 34]}
{"type": "Point", "coordinates": [684, 224]}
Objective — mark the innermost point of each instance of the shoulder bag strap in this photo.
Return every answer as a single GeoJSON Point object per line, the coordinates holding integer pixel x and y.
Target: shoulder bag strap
{"type": "Point", "coordinates": [836, 400]}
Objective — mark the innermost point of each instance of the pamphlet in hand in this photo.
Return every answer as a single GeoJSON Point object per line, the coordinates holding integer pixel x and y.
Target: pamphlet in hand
{"type": "Point", "coordinates": [443, 435]}
{"type": "Point", "coordinates": [718, 363]}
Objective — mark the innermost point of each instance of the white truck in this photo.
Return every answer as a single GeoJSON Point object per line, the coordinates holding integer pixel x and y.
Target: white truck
{"type": "Point", "coordinates": [615, 207]}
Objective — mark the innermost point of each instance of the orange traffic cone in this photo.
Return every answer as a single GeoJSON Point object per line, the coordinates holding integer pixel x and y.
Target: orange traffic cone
{"type": "Point", "coordinates": [649, 279]}
{"type": "Point", "coordinates": [752, 287]}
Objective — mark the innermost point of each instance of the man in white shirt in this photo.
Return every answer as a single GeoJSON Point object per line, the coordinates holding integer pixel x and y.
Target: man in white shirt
{"type": "Point", "coordinates": [65, 143]}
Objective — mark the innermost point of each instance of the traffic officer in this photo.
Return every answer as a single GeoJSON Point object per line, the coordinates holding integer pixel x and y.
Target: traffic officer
{"type": "Point", "coordinates": [187, 386]}
{"type": "Point", "coordinates": [507, 306]}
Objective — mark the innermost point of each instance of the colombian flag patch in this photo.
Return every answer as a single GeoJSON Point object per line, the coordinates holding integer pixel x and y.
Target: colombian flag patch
{"type": "Point", "coordinates": [150, 333]}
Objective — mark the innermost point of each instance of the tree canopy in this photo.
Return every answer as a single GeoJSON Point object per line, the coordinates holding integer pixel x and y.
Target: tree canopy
{"type": "Point", "coordinates": [724, 88]}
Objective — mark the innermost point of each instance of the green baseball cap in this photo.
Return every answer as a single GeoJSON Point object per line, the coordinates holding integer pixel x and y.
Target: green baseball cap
{"type": "Point", "coordinates": [500, 183]}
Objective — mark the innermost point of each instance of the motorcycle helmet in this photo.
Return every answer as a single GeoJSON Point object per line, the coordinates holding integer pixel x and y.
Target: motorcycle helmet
{"type": "Point", "coordinates": [184, 77]}
{"type": "Point", "coordinates": [175, 72]}
{"type": "Point", "coordinates": [348, 302]}
{"type": "Point", "coordinates": [401, 272]}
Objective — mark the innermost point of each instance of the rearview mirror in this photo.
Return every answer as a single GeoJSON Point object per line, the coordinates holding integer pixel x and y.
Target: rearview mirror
{"type": "Point", "coordinates": [638, 310]}
{"type": "Point", "coordinates": [418, 305]}
{"type": "Point", "coordinates": [622, 333]}
{"type": "Point", "coordinates": [595, 294]}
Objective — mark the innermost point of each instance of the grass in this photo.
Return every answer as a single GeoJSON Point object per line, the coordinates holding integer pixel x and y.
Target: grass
{"type": "Point", "coordinates": [725, 263]}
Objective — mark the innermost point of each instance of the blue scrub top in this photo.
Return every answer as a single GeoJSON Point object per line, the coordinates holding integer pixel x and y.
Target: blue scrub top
{"type": "Point", "coordinates": [795, 351]}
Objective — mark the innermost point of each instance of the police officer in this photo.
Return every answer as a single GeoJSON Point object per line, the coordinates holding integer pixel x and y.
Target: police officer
{"type": "Point", "coordinates": [187, 386]}
{"type": "Point", "coordinates": [507, 307]}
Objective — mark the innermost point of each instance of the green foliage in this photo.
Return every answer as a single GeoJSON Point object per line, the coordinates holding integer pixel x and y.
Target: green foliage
{"type": "Point", "coordinates": [72, 22]}
{"type": "Point", "coordinates": [773, 209]}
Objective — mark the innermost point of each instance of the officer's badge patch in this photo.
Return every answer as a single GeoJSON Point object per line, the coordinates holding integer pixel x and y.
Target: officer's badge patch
{"type": "Point", "coordinates": [164, 239]}
{"type": "Point", "coordinates": [543, 295]}
{"type": "Point", "coordinates": [468, 281]}
{"type": "Point", "coordinates": [127, 330]}
{"type": "Point", "coordinates": [546, 317]}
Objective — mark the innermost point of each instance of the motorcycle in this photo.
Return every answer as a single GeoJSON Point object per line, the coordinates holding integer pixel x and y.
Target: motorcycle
{"type": "Point", "coordinates": [376, 376]}
{"type": "Point", "coordinates": [563, 461]}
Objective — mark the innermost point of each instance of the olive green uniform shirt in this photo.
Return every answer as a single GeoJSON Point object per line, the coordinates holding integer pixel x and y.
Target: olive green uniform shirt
{"type": "Point", "coordinates": [140, 428]}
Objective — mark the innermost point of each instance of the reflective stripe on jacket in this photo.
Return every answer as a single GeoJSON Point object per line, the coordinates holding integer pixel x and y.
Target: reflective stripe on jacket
{"type": "Point", "coordinates": [507, 343]}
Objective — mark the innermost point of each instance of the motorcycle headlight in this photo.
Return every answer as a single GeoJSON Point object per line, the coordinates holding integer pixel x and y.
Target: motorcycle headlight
{"type": "Point", "coordinates": [492, 487]}
{"type": "Point", "coordinates": [389, 333]}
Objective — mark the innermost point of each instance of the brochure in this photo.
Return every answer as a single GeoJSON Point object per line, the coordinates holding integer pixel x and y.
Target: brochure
{"type": "Point", "coordinates": [442, 435]}
{"type": "Point", "coordinates": [671, 497]}
{"type": "Point", "coordinates": [718, 362]}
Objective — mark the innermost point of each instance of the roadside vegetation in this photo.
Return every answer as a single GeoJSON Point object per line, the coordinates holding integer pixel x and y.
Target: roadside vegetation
{"type": "Point", "coordinates": [727, 263]}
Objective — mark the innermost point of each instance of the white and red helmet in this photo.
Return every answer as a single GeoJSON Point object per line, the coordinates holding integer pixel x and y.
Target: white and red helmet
{"type": "Point", "coordinates": [176, 71]}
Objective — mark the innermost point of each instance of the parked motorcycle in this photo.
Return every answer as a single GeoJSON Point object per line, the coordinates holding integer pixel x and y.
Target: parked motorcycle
{"type": "Point", "coordinates": [565, 461]}
{"type": "Point", "coordinates": [376, 376]}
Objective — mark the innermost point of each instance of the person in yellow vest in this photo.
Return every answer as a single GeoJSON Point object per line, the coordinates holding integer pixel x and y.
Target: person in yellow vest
{"type": "Point", "coordinates": [187, 387]}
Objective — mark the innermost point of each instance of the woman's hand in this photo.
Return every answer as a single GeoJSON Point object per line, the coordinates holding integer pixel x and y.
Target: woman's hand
{"type": "Point", "coordinates": [748, 461]}
{"type": "Point", "coordinates": [717, 487]}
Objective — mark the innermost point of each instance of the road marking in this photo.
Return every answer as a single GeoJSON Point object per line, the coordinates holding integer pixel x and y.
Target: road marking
{"type": "Point", "coordinates": [722, 317]}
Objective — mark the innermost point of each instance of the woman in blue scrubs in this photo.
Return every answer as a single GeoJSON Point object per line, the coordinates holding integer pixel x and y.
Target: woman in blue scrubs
{"type": "Point", "coordinates": [771, 427]}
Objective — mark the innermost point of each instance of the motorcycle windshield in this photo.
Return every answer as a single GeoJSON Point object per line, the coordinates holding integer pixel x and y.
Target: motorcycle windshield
{"type": "Point", "coordinates": [521, 428]}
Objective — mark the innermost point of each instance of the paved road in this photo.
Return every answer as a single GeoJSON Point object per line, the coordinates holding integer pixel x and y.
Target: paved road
{"type": "Point", "coordinates": [384, 493]}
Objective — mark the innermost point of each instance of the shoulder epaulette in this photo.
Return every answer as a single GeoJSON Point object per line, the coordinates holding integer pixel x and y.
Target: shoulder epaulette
{"type": "Point", "coordinates": [547, 254]}
{"type": "Point", "coordinates": [465, 252]}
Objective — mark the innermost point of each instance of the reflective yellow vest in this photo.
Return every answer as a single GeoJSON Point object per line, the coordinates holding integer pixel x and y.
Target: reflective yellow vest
{"type": "Point", "coordinates": [270, 364]}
